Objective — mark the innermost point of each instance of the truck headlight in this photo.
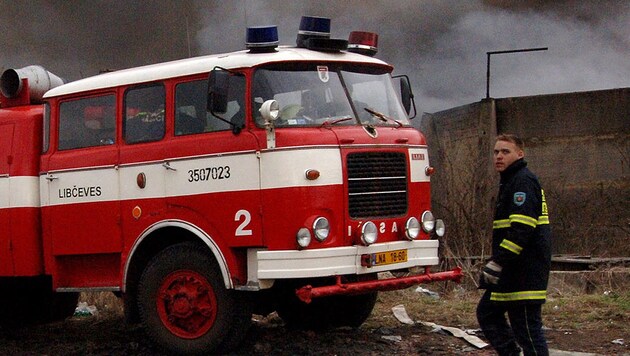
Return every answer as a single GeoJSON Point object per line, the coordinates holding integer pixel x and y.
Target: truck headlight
{"type": "Point", "coordinates": [303, 237]}
{"type": "Point", "coordinates": [321, 229]}
{"type": "Point", "coordinates": [369, 233]}
{"type": "Point", "coordinates": [440, 227]}
{"type": "Point", "coordinates": [412, 228]}
{"type": "Point", "coordinates": [428, 221]}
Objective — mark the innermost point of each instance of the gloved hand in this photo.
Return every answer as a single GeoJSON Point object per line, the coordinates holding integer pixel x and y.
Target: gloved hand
{"type": "Point", "coordinates": [491, 272]}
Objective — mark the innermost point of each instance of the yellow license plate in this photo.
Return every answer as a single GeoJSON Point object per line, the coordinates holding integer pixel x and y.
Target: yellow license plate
{"type": "Point", "coordinates": [388, 258]}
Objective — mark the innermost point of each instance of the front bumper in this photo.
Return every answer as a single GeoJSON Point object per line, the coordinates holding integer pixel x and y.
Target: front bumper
{"type": "Point", "coordinates": [265, 266]}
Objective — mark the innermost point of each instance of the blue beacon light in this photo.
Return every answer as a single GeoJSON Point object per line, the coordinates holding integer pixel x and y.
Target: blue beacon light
{"type": "Point", "coordinates": [312, 27]}
{"type": "Point", "coordinates": [262, 38]}
{"type": "Point", "coordinates": [316, 26]}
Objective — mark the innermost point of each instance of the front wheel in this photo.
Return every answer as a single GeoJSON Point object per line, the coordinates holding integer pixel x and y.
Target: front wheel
{"type": "Point", "coordinates": [184, 305]}
{"type": "Point", "coordinates": [326, 312]}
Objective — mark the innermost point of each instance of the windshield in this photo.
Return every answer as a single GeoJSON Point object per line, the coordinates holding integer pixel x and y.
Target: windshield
{"type": "Point", "coordinates": [335, 94]}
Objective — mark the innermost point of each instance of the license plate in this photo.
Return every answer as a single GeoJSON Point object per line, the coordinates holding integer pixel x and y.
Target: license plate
{"type": "Point", "coordinates": [388, 258]}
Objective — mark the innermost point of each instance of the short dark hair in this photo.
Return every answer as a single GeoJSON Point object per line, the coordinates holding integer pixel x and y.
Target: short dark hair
{"type": "Point", "coordinates": [512, 138]}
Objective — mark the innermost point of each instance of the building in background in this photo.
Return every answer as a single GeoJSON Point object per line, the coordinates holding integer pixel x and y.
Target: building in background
{"type": "Point", "coordinates": [577, 143]}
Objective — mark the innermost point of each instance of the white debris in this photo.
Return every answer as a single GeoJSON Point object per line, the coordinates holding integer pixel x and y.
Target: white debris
{"type": "Point", "coordinates": [427, 292]}
{"type": "Point", "coordinates": [394, 338]}
{"type": "Point", "coordinates": [401, 314]}
{"type": "Point", "coordinates": [472, 331]}
{"type": "Point", "coordinates": [471, 339]}
{"type": "Point", "coordinates": [618, 342]}
{"type": "Point", "coordinates": [83, 309]}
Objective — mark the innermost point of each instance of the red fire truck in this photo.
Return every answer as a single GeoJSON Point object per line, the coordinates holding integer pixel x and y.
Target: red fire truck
{"type": "Point", "coordinates": [203, 190]}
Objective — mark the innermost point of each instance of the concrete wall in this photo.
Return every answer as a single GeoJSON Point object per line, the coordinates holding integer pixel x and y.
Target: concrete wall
{"type": "Point", "coordinates": [579, 146]}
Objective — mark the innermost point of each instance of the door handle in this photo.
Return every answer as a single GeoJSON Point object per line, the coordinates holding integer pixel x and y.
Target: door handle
{"type": "Point", "coordinates": [168, 166]}
{"type": "Point", "coordinates": [51, 177]}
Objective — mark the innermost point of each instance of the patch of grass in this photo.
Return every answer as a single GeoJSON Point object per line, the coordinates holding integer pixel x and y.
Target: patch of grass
{"type": "Point", "coordinates": [589, 311]}
{"type": "Point", "coordinates": [606, 311]}
{"type": "Point", "coordinates": [455, 308]}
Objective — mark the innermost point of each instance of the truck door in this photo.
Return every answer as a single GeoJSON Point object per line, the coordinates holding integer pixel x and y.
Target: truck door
{"type": "Point", "coordinates": [217, 173]}
{"type": "Point", "coordinates": [6, 156]}
{"type": "Point", "coordinates": [82, 215]}
{"type": "Point", "coordinates": [141, 159]}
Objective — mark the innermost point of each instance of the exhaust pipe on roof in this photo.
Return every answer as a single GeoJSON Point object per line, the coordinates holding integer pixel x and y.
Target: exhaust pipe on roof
{"type": "Point", "coordinates": [39, 82]}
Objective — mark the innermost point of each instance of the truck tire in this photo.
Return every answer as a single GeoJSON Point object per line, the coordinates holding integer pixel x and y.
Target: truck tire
{"type": "Point", "coordinates": [326, 312]}
{"type": "Point", "coordinates": [183, 303]}
{"type": "Point", "coordinates": [354, 309]}
{"type": "Point", "coordinates": [32, 301]}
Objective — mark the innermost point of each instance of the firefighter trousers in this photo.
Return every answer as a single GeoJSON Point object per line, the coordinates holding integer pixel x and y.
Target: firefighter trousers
{"type": "Point", "coordinates": [524, 328]}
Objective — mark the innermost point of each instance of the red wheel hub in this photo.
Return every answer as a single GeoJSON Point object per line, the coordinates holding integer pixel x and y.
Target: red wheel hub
{"type": "Point", "coordinates": [186, 304]}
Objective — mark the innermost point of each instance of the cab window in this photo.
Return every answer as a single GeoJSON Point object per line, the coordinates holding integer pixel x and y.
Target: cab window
{"type": "Point", "coordinates": [144, 114]}
{"type": "Point", "coordinates": [191, 116]}
{"type": "Point", "coordinates": [87, 122]}
{"type": "Point", "coordinates": [46, 129]}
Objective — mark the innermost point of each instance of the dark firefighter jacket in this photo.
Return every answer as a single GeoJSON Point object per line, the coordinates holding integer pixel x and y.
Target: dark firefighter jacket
{"type": "Point", "coordinates": [521, 238]}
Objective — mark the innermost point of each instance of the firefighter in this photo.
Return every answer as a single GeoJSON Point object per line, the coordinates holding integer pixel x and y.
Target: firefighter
{"type": "Point", "coordinates": [516, 276]}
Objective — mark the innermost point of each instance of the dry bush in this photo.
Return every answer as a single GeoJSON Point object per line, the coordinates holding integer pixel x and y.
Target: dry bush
{"type": "Point", "coordinates": [106, 303]}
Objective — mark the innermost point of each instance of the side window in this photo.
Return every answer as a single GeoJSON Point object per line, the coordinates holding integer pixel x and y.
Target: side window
{"type": "Point", "coordinates": [191, 116]}
{"type": "Point", "coordinates": [87, 122]}
{"type": "Point", "coordinates": [144, 114]}
{"type": "Point", "coordinates": [46, 129]}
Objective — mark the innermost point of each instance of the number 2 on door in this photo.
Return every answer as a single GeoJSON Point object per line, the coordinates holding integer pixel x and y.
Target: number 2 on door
{"type": "Point", "coordinates": [245, 217]}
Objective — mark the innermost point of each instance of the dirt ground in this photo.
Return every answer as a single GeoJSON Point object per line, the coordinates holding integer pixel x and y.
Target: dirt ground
{"type": "Point", "coordinates": [594, 324]}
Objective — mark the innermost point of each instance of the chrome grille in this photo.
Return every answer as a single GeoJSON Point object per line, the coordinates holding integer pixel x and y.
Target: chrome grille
{"type": "Point", "coordinates": [377, 184]}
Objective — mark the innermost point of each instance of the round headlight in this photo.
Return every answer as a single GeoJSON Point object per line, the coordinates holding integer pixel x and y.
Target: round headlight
{"type": "Point", "coordinates": [428, 221]}
{"type": "Point", "coordinates": [440, 227]}
{"type": "Point", "coordinates": [321, 229]}
{"type": "Point", "coordinates": [303, 237]}
{"type": "Point", "coordinates": [369, 233]}
{"type": "Point", "coordinates": [412, 228]}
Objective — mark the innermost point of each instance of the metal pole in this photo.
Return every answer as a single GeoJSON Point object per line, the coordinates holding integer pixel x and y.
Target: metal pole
{"type": "Point", "coordinates": [502, 52]}
{"type": "Point", "coordinates": [488, 76]}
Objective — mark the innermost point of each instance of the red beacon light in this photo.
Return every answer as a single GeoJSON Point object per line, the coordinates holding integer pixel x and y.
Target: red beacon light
{"type": "Point", "coordinates": [261, 39]}
{"type": "Point", "coordinates": [361, 42]}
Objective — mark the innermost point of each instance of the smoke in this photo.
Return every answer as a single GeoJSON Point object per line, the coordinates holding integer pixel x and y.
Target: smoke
{"type": "Point", "coordinates": [75, 38]}
{"type": "Point", "coordinates": [440, 44]}
{"type": "Point", "coordinates": [585, 53]}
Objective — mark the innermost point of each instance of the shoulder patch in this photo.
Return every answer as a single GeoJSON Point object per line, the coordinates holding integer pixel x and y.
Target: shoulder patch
{"type": "Point", "coordinates": [519, 198]}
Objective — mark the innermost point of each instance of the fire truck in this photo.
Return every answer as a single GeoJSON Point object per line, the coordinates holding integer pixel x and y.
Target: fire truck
{"type": "Point", "coordinates": [204, 190]}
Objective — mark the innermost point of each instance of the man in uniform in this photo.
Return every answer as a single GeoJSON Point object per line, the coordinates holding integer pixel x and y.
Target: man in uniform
{"type": "Point", "coordinates": [516, 276]}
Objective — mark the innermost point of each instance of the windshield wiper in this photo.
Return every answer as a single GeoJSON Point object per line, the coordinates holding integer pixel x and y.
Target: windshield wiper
{"type": "Point", "coordinates": [336, 121]}
{"type": "Point", "coordinates": [382, 116]}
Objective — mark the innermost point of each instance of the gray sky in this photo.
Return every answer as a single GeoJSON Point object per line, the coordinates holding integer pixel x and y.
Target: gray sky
{"type": "Point", "coordinates": [441, 45]}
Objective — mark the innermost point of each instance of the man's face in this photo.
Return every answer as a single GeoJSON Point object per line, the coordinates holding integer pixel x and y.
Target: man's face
{"type": "Point", "coordinates": [506, 153]}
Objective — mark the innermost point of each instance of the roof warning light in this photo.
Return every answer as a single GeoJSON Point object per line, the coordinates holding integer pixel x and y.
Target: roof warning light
{"type": "Point", "coordinates": [262, 38]}
{"type": "Point", "coordinates": [363, 43]}
{"type": "Point", "coordinates": [312, 27]}
{"type": "Point", "coordinates": [314, 34]}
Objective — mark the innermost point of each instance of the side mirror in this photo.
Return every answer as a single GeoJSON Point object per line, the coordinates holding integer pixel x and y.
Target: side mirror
{"type": "Point", "coordinates": [218, 88]}
{"type": "Point", "coordinates": [406, 95]}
